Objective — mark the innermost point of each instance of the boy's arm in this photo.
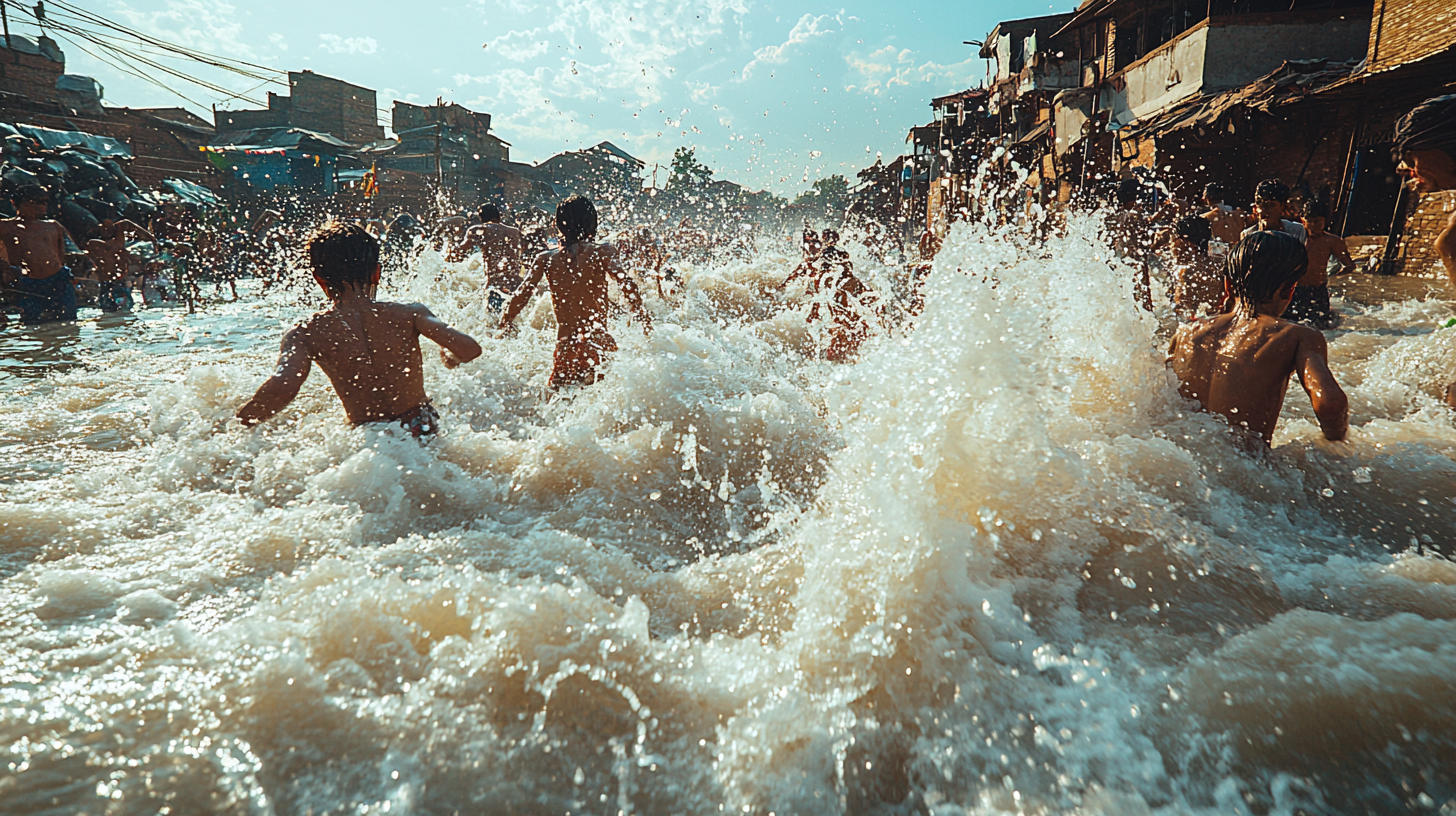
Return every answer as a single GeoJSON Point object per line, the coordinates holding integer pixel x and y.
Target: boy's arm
{"type": "Point", "coordinates": [137, 230]}
{"type": "Point", "coordinates": [1446, 248]}
{"type": "Point", "coordinates": [523, 294]}
{"type": "Point", "coordinates": [629, 289]}
{"type": "Point", "coordinates": [280, 389]}
{"type": "Point", "coordinates": [1331, 405]}
{"type": "Point", "coordinates": [1347, 263]}
{"type": "Point", "coordinates": [456, 346]}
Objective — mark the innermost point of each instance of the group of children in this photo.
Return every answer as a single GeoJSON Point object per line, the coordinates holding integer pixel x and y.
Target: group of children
{"type": "Point", "coordinates": [34, 250]}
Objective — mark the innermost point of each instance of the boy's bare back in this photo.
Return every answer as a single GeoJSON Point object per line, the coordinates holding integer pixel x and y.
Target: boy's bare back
{"type": "Point", "coordinates": [577, 275]}
{"type": "Point", "coordinates": [500, 249]}
{"type": "Point", "coordinates": [1239, 367]}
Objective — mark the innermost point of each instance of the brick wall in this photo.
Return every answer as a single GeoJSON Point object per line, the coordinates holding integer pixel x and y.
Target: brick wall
{"type": "Point", "coordinates": [30, 75]}
{"type": "Point", "coordinates": [333, 106]}
{"type": "Point", "coordinates": [1405, 30]}
{"type": "Point", "coordinates": [1427, 218]}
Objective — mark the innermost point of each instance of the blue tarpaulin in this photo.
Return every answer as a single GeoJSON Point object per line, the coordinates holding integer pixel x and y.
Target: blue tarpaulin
{"type": "Point", "coordinates": [103, 146]}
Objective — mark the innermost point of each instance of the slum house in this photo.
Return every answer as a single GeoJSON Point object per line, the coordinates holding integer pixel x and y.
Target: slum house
{"type": "Point", "coordinates": [603, 172]}
{"type": "Point", "coordinates": [1181, 90]}
{"type": "Point", "coordinates": [1032, 64]}
{"type": "Point", "coordinates": [269, 160]}
{"type": "Point", "coordinates": [314, 103]}
{"type": "Point", "coordinates": [1320, 119]}
{"type": "Point", "coordinates": [163, 143]}
{"type": "Point", "coordinates": [1411, 57]}
{"type": "Point", "coordinates": [944, 156]}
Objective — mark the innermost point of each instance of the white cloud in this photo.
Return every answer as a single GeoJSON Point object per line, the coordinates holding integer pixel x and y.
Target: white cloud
{"type": "Point", "coordinates": [334, 44]}
{"type": "Point", "coordinates": [278, 41]}
{"type": "Point", "coordinates": [807, 28]}
{"type": "Point", "coordinates": [520, 46]}
{"type": "Point", "coordinates": [887, 67]}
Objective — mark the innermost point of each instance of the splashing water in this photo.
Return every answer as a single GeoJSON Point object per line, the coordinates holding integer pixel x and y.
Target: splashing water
{"type": "Point", "coordinates": [997, 566]}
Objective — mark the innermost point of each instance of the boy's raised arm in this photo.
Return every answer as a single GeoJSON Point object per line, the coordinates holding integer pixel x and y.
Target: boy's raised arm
{"type": "Point", "coordinates": [280, 389]}
{"type": "Point", "coordinates": [1331, 405]}
{"type": "Point", "coordinates": [523, 294]}
{"type": "Point", "coordinates": [629, 290]}
{"type": "Point", "coordinates": [456, 346]}
{"type": "Point", "coordinates": [1347, 263]}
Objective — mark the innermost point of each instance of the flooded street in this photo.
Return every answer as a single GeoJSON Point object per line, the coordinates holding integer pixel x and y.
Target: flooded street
{"type": "Point", "coordinates": [996, 566]}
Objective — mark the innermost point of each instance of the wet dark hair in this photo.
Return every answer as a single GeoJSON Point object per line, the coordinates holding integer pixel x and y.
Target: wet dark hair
{"type": "Point", "coordinates": [830, 235]}
{"type": "Point", "coordinates": [1215, 192]}
{"type": "Point", "coordinates": [1195, 230]}
{"type": "Point", "coordinates": [1261, 264]}
{"type": "Point", "coordinates": [576, 217]}
{"type": "Point", "coordinates": [489, 213]}
{"type": "Point", "coordinates": [1127, 191]}
{"type": "Point", "coordinates": [1316, 209]}
{"type": "Point", "coordinates": [1431, 125]}
{"type": "Point", "coordinates": [343, 255]}
{"type": "Point", "coordinates": [1271, 190]}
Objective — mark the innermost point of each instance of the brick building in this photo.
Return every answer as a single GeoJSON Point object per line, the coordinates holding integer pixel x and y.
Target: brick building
{"type": "Point", "coordinates": [317, 103]}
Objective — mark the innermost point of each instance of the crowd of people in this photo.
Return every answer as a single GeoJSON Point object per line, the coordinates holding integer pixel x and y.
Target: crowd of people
{"type": "Point", "coordinates": [1249, 289]}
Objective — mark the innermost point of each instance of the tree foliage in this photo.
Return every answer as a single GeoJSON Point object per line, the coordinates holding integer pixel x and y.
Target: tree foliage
{"type": "Point", "coordinates": [687, 171]}
{"type": "Point", "coordinates": [831, 193]}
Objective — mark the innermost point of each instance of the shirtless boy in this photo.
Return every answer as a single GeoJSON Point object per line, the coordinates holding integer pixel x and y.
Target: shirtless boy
{"type": "Point", "coordinates": [1312, 296]}
{"type": "Point", "coordinates": [37, 245]}
{"type": "Point", "coordinates": [642, 255]}
{"type": "Point", "coordinates": [1197, 278]}
{"type": "Point", "coordinates": [108, 253]}
{"type": "Point", "coordinates": [1130, 231]}
{"type": "Point", "coordinates": [369, 349]}
{"type": "Point", "coordinates": [1225, 223]}
{"type": "Point", "coordinates": [1237, 365]}
{"type": "Point", "coordinates": [834, 274]}
{"type": "Point", "coordinates": [928, 247]}
{"type": "Point", "coordinates": [500, 249]}
{"type": "Point", "coordinates": [577, 274]}
{"type": "Point", "coordinates": [1425, 146]}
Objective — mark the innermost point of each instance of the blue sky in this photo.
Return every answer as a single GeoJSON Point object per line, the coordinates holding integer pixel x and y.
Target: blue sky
{"type": "Point", "coordinates": [771, 94]}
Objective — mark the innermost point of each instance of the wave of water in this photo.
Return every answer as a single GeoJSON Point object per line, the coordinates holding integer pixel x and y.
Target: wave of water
{"type": "Point", "coordinates": [997, 566]}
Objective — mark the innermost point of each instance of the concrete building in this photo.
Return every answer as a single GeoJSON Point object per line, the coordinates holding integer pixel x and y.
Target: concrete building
{"type": "Point", "coordinates": [603, 171]}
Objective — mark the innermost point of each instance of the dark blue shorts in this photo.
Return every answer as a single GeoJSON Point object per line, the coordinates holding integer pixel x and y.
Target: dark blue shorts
{"type": "Point", "coordinates": [52, 298]}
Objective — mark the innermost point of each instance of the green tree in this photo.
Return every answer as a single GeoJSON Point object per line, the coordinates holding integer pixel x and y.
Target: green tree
{"type": "Point", "coordinates": [831, 193]}
{"type": "Point", "coordinates": [687, 171]}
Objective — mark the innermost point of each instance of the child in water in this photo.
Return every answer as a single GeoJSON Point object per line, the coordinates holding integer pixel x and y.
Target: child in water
{"type": "Point", "coordinates": [833, 275]}
{"type": "Point", "coordinates": [369, 349]}
{"type": "Point", "coordinates": [1238, 365]}
{"type": "Point", "coordinates": [577, 274]}
{"type": "Point", "coordinates": [36, 246]}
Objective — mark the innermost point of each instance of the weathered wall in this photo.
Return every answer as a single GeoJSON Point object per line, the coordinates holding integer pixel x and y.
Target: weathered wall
{"type": "Point", "coordinates": [1405, 30]}
{"type": "Point", "coordinates": [333, 106]}
{"type": "Point", "coordinates": [1242, 49]}
{"type": "Point", "coordinates": [1426, 220]}
{"type": "Point", "coordinates": [1164, 77]}
{"type": "Point", "coordinates": [31, 75]}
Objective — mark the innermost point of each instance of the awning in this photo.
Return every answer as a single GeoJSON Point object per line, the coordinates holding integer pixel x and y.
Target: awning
{"type": "Point", "coordinates": [1291, 82]}
{"type": "Point", "coordinates": [1036, 132]}
{"type": "Point", "coordinates": [192, 193]}
{"type": "Point", "coordinates": [104, 146]}
{"type": "Point", "coordinates": [1089, 10]}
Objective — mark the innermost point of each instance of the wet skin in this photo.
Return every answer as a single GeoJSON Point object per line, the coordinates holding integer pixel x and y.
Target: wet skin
{"type": "Point", "coordinates": [500, 248]}
{"type": "Point", "coordinates": [370, 351]}
{"type": "Point", "coordinates": [34, 243]}
{"type": "Point", "coordinates": [1238, 365]}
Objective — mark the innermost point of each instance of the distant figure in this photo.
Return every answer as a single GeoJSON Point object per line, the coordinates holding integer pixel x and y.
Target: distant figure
{"type": "Point", "coordinates": [928, 247]}
{"type": "Point", "coordinates": [107, 249]}
{"type": "Point", "coordinates": [1131, 233]}
{"type": "Point", "coordinates": [399, 242]}
{"type": "Point", "coordinates": [833, 280]}
{"type": "Point", "coordinates": [643, 255]}
{"type": "Point", "coordinates": [577, 274]}
{"type": "Point", "coordinates": [369, 349]}
{"type": "Point", "coordinates": [1311, 303]}
{"type": "Point", "coordinates": [450, 234]}
{"type": "Point", "coordinates": [500, 249]}
{"type": "Point", "coordinates": [1425, 147]}
{"type": "Point", "coordinates": [1225, 223]}
{"type": "Point", "coordinates": [1270, 199]}
{"type": "Point", "coordinates": [1237, 365]}
{"type": "Point", "coordinates": [1197, 278]}
{"type": "Point", "coordinates": [36, 246]}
